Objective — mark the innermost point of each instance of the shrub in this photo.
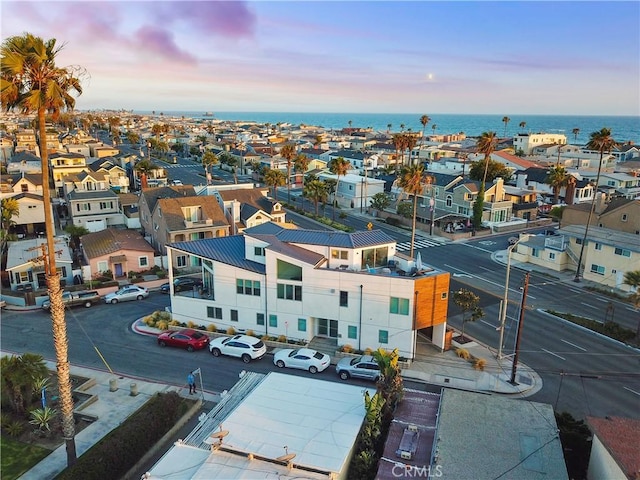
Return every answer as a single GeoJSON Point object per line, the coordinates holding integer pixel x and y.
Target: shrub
{"type": "Point", "coordinates": [462, 353]}
{"type": "Point", "coordinates": [162, 325]}
{"type": "Point", "coordinates": [266, 338]}
{"type": "Point", "coordinates": [15, 428]}
{"type": "Point", "coordinates": [191, 324]}
{"type": "Point", "coordinates": [479, 364]}
{"type": "Point", "coordinates": [347, 348]}
{"type": "Point", "coordinates": [161, 274]}
{"type": "Point", "coordinates": [231, 331]}
{"type": "Point", "coordinates": [4, 419]}
{"type": "Point", "coordinates": [368, 351]}
{"type": "Point", "coordinates": [250, 333]}
{"type": "Point", "coordinates": [211, 328]}
{"type": "Point", "coordinates": [41, 417]}
{"type": "Point", "coordinates": [174, 323]}
{"type": "Point", "coordinates": [282, 339]}
{"type": "Point", "coordinates": [149, 320]}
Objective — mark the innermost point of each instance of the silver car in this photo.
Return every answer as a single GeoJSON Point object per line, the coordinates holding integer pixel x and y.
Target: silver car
{"type": "Point", "coordinates": [364, 366]}
{"type": "Point", "coordinates": [130, 292]}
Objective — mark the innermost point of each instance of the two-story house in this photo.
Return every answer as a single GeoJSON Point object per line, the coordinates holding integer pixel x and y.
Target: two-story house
{"type": "Point", "coordinates": [354, 191]}
{"type": "Point", "coordinates": [26, 267]}
{"type": "Point", "coordinates": [183, 219]}
{"type": "Point", "coordinates": [91, 203]}
{"type": "Point", "coordinates": [26, 189]}
{"type": "Point", "coordinates": [526, 142]}
{"type": "Point", "coordinates": [351, 288]}
{"type": "Point", "coordinates": [620, 214]}
{"type": "Point", "coordinates": [63, 165]}
{"type": "Point", "coordinates": [246, 208]}
{"type": "Point", "coordinates": [116, 175]}
{"type": "Point", "coordinates": [149, 198]}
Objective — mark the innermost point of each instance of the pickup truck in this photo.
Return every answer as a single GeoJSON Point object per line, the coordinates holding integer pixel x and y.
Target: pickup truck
{"type": "Point", "coordinates": [73, 299]}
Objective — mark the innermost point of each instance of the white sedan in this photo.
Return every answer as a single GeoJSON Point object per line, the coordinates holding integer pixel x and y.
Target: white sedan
{"type": "Point", "coordinates": [302, 358]}
{"type": "Point", "coordinates": [130, 292]}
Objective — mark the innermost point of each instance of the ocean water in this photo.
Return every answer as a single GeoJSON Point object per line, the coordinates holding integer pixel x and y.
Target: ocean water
{"type": "Point", "coordinates": [623, 128]}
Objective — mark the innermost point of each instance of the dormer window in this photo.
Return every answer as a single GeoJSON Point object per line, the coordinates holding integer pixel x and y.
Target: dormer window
{"type": "Point", "coordinates": [191, 214]}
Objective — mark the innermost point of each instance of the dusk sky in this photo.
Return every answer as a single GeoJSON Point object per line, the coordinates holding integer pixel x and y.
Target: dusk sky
{"type": "Point", "coordinates": [561, 58]}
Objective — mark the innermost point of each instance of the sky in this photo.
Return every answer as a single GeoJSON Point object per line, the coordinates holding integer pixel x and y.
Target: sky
{"type": "Point", "coordinates": [505, 57]}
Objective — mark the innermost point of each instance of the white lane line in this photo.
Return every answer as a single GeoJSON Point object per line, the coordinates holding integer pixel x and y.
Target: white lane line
{"type": "Point", "coordinates": [487, 269]}
{"type": "Point", "coordinates": [576, 291]}
{"type": "Point", "coordinates": [632, 391]}
{"type": "Point", "coordinates": [602, 299]}
{"type": "Point", "coordinates": [490, 324]}
{"type": "Point", "coordinates": [554, 354]}
{"type": "Point", "coordinates": [587, 305]}
{"type": "Point", "coordinates": [631, 309]}
{"type": "Point", "coordinates": [573, 345]}
{"type": "Point", "coordinates": [477, 248]}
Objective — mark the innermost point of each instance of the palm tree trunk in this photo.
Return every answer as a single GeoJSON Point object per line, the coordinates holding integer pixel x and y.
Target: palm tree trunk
{"type": "Point", "coordinates": [59, 326]}
{"type": "Point", "coordinates": [413, 224]}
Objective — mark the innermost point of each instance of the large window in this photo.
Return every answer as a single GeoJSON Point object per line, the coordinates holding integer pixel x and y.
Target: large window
{"type": "Point", "coordinates": [599, 269]}
{"type": "Point", "coordinates": [383, 336]}
{"type": "Point", "coordinates": [234, 315]}
{"type": "Point", "coordinates": [288, 271]}
{"type": "Point", "coordinates": [302, 324]}
{"type": "Point", "coordinates": [273, 321]}
{"type": "Point", "coordinates": [290, 292]}
{"type": "Point", "coordinates": [623, 252]}
{"type": "Point", "coordinates": [103, 266]}
{"type": "Point", "coordinates": [214, 312]}
{"type": "Point", "coordinates": [259, 318]}
{"type": "Point", "coordinates": [248, 287]}
{"type": "Point", "coordinates": [340, 254]}
{"type": "Point", "coordinates": [258, 251]}
{"type": "Point", "coordinates": [399, 306]}
{"type": "Point", "coordinates": [374, 257]}
{"type": "Point", "coordinates": [181, 260]}
{"type": "Point", "coordinates": [352, 331]}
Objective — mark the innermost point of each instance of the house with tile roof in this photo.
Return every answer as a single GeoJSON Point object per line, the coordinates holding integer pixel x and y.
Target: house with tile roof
{"type": "Point", "coordinates": [615, 448]}
{"type": "Point", "coordinates": [117, 251]}
{"type": "Point", "coordinates": [351, 288]}
{"type": "Point", "coordinates": [246, 208]}
{"type": "Point", "coordinates": [182, 219]}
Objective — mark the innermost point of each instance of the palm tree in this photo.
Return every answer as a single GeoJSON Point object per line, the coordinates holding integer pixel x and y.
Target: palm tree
{"type": "Point", "coordinates": [433, 127]}
{"type": "Point", "coordinates": [388, 127]}
{"type": "Point", "coordinates": [339, 167]}
{"type": "Point", "coordinates": [402, 127]}
{"type": "Point", "coordinates": [31, 81]}
{"type": "Point", "coordinates": [316, 191]}
{"type": "Point", "coordinates": [10, 209]}
{"type": "Point", "coordinates": [274, 178]}
{"type": "Point", "coordinates": [144, 168]}
{"type": "Point", "coordinates": [18, 376]}
{"type": "Point", "coordinates": [523, 125]}
{"type": "Point", "coordinates": [410, 142]}
{"type": "Point", "coordinates": [413, 181]}
{"type": "Point", "coordinates": [300, 165]}
{"type": "Point", "coordinates": [398, 144]}
{"type": "Point", "coordinates": [505, 120]}
{"type": "Point", "coordinates": [424, 120]}
{"type": "Point", "coordinates": [486, 145]}
{"type": "Point", "coordinates": [288, 152]}
{"type": "Point", "coordinates": [209, 159]}
{"type": "Point", "coordinates": [350, 122]}
{"type": "Point", "coordinates": [576, 132]}
{"type": "Point", "coordinates": [156, 129]}
{"type": "Point", "coordinates": [557, 178]}
{"type": "Point", "coordinates": [602, 141]}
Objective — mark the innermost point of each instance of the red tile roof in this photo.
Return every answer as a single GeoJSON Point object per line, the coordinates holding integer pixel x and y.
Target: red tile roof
{"type": "Point", "coordinates": [621, 437]}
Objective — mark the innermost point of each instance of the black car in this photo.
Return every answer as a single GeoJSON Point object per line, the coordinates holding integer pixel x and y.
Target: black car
{"type": "Point", "coordinates": [182, 283]}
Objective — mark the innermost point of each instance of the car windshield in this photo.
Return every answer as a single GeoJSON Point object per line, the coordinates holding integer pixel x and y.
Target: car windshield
{"type": "Point", "coordinates": [258, 344]}
{"type": "Point", "coordinates": [355, 361]}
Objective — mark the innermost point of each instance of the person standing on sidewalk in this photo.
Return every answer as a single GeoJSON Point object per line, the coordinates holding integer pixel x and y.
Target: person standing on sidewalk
{"type": "Point", "coordinates": [191, 380]}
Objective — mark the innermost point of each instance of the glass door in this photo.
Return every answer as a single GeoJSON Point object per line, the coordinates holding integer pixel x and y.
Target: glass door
{"type": "Point", "coordinates": [327, 328]}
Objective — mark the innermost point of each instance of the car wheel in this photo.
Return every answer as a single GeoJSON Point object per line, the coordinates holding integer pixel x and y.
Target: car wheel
{"type": "Point", "coordinates": [87, 304]}
{"type": "Point", "coordinates": [190, 348]}
{"type": "Point", "coordinates": [280, 364]}
{"type": "Point", "coordinates": [215, 352]}
{"type": "Point", "coordinates": [313, 369]}
{"type": "Point", "coordinates": [162, 344]}
{"type": "Point", "coordinates": [139, 297]}
{"type": "Point", "coordinates": [114, 301]}
{"type": "Point", "coordinates": [246, 358]}
{"type": "Point", "coordinates": [344, 375]}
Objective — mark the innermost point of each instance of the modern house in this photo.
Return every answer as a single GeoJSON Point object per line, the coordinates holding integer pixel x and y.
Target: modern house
{"type": "Point", "coordinates": [354, 191]}
{"type": "Point", "coordinates": [615, 449]}
{"type": "Point", "coordinates": [353, 288]}
{"type": "Point", "coordinates": [26, 266]}
{"type": "Point", "coordinates": [526, 142]}
{"type": "Point", "coordinates": [117, 251]}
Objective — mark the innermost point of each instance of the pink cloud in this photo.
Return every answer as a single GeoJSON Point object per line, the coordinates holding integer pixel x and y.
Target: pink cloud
{"type": "Point", "coordinates": [161, 42]}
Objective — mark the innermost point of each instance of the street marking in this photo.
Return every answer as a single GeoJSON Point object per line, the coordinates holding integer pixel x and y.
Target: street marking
{"type": "Point", "coordinates": [632, 391]}
{"type": "Point", "coordinates": [554, 354]}
{"type": "Point", "coordinates": [490, 324]}
{"type": "Point", "coordinates": [477, 248]}
{"type": "Point", "coordinates": [573, 345]}
{"type": "Point", "coordinates": [576, 291]}
{"type": "Point", "coordinates": [602, 300]}
{"type": "Point", "coordinates": [487, 269]}
{"type": "Point", "coordinates": [587, 305]}
{"type": "Point", "coordinates": [631, 309]}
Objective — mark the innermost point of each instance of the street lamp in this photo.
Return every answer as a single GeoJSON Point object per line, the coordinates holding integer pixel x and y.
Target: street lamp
{"type": "Point", "coordinates": [505, 299]}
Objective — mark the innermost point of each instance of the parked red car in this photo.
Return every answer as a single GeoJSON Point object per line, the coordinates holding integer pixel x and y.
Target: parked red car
{"type": "Point", "coordinates": [187, 338]}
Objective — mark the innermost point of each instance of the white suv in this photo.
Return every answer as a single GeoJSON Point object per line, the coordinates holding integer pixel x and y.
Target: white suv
{"type": "Point", "coordinates": [242, 346]}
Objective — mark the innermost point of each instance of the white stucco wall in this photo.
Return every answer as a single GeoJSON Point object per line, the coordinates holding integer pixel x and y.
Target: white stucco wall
{"type": "Point", "coordinates": [601, 463]}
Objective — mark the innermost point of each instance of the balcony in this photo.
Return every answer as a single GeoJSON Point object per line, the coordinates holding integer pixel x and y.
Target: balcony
{"type": "Point", "coordinates": [198, 223]}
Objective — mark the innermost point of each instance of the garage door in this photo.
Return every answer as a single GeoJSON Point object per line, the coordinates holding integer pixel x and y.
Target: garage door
{"type": "Point", "coordinates": [95, 225]}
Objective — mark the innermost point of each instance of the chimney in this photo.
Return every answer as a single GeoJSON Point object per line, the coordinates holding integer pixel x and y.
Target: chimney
{"type": "Point", "coordinates": [601, 203]}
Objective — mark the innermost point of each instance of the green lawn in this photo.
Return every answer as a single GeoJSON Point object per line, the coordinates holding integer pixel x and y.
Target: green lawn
{"type": "Point", "coordinates": [18, 457]}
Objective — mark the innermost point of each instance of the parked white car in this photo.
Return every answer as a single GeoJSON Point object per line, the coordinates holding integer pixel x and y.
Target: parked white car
{"type": "Point", "coordinates": [242, 346]}
{"type": "Point", "coordinates": [302, 358]}
{"type": "Point", "coordinates": [130, 292]}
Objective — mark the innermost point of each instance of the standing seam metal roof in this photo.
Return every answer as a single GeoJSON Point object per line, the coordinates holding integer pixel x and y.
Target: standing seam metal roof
{"type": "Point", "coordinates": [227, 250]}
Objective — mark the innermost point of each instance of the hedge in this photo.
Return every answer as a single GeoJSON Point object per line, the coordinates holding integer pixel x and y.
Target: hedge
{"type": "Point", "coordinates": [120, 449]}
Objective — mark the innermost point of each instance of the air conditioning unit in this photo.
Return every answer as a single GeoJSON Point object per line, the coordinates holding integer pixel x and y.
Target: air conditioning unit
{"type": "Point", "coordinates": [406, 455]}
{"type": "Point", "coordinates": [413, 428]}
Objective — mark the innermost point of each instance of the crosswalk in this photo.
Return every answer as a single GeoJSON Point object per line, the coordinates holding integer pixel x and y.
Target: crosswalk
{"type": "Point", "coordinates": [418, 244]}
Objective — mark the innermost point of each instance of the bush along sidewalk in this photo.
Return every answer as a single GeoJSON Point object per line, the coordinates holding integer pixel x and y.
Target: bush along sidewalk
{"type": "Point", "coordinates": [609, 329]}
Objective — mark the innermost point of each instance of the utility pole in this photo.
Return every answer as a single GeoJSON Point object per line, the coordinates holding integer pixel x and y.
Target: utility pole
{"type": "Point", "coordinates": [519, 335]}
